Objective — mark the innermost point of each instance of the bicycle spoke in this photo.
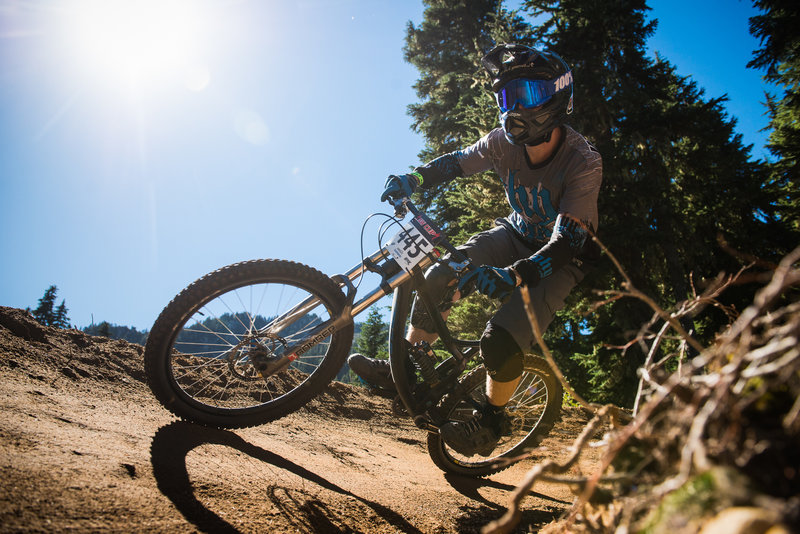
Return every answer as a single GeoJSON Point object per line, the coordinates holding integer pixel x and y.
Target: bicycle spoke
{"type": "Point", "coordinates": [218, 345]}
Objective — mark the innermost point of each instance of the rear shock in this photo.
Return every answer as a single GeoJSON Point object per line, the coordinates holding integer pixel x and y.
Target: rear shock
{"type": "Point", "coordinates": [425, 360]}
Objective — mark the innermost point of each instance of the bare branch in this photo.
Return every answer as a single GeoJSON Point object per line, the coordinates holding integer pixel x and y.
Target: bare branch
{"type": "Point", "coordinates": [526, 298]}
{"type": "Point", "coordinates": [633, 292]}
{"type": "Point", "coordinates": [698, 417]}
{"type": "Point", "coordinates": [511, 518]}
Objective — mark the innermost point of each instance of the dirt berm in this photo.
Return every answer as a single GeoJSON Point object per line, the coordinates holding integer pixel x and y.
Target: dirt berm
{"type": "Point", "coordinates": [84, 447]}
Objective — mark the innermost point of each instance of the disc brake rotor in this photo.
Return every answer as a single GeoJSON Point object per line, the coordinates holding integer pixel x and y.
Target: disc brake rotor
{"type": "Point", "coordinates": [252, 353]}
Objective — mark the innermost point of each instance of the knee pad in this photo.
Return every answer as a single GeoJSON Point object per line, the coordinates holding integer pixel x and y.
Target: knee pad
{"type": "Point", "coordinates": [438, 279]}
{"type": "Point", "coordinates": [501, 354]}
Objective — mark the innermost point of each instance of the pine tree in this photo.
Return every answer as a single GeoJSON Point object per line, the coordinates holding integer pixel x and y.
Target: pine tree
{"type": "Point", "coordinates": [45, 312]}
{"type": "Point", "coordinates": [778, 27]}
{"type": "Point", "coordinates": [374, 336]}
{"type": "Point", "coordinates": [61, 317]}
{"type": "Point", "coordinates": [677, 178]}
{"type": "Point", "coordinates": [104, 329]}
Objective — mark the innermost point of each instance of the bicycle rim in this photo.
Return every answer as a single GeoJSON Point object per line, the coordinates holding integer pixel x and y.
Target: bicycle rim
{"type": "Point", "coordinates": [217, 349]}
{"type": "Point", "coordinates": [533, 410]}
{"type": "Point", "coordinates": [525, 410]}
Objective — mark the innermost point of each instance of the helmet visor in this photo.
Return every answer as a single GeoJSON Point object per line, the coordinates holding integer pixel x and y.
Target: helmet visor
{"type": "Point", "coordinates": [530, 93]}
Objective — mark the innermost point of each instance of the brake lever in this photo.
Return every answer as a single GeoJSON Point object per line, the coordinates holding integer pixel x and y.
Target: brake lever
{"type": "Point", "coordinates": [461, 268]}
{"type": "Point", "coordinates": [461, 265]}
{"type": "Point", "coordinates": [400, 208]}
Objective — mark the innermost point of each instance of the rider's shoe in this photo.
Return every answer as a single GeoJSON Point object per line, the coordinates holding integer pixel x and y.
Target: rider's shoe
{"type": "Point", "coordinates": [372, 370]}
{"type": "Point", "coordinates": [478, 435]}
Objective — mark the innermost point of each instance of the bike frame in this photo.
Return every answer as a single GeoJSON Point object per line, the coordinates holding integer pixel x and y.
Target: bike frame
{"type": "Point", "coordinates": [403, 284]}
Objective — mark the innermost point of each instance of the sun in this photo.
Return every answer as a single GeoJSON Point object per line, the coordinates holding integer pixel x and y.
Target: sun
{"type": "Point", "coordinates": [139, 44]}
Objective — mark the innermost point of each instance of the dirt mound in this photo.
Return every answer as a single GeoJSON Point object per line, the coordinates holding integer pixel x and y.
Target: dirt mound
{"type": "Point", "coordinates": [85, 447]}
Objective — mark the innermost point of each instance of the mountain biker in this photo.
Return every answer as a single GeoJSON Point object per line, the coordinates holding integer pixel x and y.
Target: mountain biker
{"type": "Point", "coordinates": [552, 177]}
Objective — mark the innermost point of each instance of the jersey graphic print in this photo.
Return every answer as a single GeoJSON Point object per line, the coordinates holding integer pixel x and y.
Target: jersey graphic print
{"type": "Point", "coordinates": [534, 214]}
{"type": "Point", "coordinates": [568, 183]}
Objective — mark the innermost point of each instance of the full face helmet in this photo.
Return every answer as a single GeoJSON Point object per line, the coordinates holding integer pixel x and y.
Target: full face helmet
{"type": "Point", "coordinates": [533, 90]}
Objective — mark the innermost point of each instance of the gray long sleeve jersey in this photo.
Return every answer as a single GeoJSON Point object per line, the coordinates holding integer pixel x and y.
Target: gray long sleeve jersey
{"type": "Point", "coordinates": [551, 202]}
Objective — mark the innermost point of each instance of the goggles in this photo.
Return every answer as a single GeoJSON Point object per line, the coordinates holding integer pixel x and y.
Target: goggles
{"type": "Point", "coordinates": [530, 93]}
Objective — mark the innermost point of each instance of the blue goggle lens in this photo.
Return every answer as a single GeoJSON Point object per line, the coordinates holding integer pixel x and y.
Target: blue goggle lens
{"type": "Point", "coordinates": [529, 93]}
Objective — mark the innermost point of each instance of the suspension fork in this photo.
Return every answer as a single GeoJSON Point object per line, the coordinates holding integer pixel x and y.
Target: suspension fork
{"type": "Point", "coordinates": [399, 347]}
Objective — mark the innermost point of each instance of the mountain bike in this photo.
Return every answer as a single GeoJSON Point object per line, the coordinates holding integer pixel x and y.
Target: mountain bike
{"type": "Point", "coordinates": [255, 341]}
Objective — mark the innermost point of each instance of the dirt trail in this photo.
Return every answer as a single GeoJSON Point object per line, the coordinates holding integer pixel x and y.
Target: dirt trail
{"type": "Point", "coordinates": [85, 447]}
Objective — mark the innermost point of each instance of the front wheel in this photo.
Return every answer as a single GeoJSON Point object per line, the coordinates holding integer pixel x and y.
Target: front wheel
{"type": "Point", "coordinates": [533, 409]}
{"type": "Point", "coordinates": [207, 355]}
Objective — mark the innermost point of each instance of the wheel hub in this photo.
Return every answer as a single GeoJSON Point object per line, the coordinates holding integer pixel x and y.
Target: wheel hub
{"type": "Point", "coordinates": [253, 355]}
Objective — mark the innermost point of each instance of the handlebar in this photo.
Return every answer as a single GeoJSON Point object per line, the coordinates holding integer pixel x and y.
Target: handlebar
{"type": "Point", "coordinates": [459, 261]}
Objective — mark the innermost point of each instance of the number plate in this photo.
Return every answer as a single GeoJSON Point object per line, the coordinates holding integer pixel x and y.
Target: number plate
{"type": "Point", "coordinates": [411, 244]}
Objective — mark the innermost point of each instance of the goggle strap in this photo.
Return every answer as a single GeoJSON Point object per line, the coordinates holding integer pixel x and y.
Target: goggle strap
{"type": "Point", "coordinates": [493, 61]}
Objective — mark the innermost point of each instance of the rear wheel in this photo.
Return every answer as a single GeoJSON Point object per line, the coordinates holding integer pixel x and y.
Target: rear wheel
{"type": "Point", "coordinates": [534, 409]}
{"type": "Point", "coordinates": [204, 352]}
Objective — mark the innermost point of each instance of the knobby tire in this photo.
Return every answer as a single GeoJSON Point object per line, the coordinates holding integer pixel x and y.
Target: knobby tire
{"type": "Point", "coordinates": [456, 405]}
{"type": "Point", "coordinates": [293, 388]}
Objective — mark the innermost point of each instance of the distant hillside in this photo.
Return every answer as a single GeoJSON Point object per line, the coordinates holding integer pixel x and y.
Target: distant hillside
{"type": "Point", "coordinates": [114, 331]}
{"type": "Point", "coordinates": [132, 335]}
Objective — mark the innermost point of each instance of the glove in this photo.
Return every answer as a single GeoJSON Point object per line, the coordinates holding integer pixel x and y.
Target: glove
{"type": "Point", "coordinates": [399, 186]}
{"type": "Point", "coordinates": [494, 282]}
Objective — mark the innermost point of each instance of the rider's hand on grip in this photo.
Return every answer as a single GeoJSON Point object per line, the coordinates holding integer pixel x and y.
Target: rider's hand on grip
{"type": "Point", "coordinates": [400, 209]}
{"type": "Point", "coordinates": [494, 282]}
{"type": "Point", "coordinates": [398, 186]}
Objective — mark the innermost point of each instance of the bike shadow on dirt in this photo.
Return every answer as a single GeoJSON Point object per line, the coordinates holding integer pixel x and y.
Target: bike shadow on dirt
{"type": "Point", "coordinates": [173, 442]}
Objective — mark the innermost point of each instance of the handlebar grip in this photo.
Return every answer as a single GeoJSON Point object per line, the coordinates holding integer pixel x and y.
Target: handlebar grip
{"type": "Point", "coordinates": [400, 207]}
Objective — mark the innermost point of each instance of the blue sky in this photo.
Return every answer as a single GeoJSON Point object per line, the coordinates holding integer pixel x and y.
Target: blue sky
{"type": "Point", "coordinates": [240, 130]}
